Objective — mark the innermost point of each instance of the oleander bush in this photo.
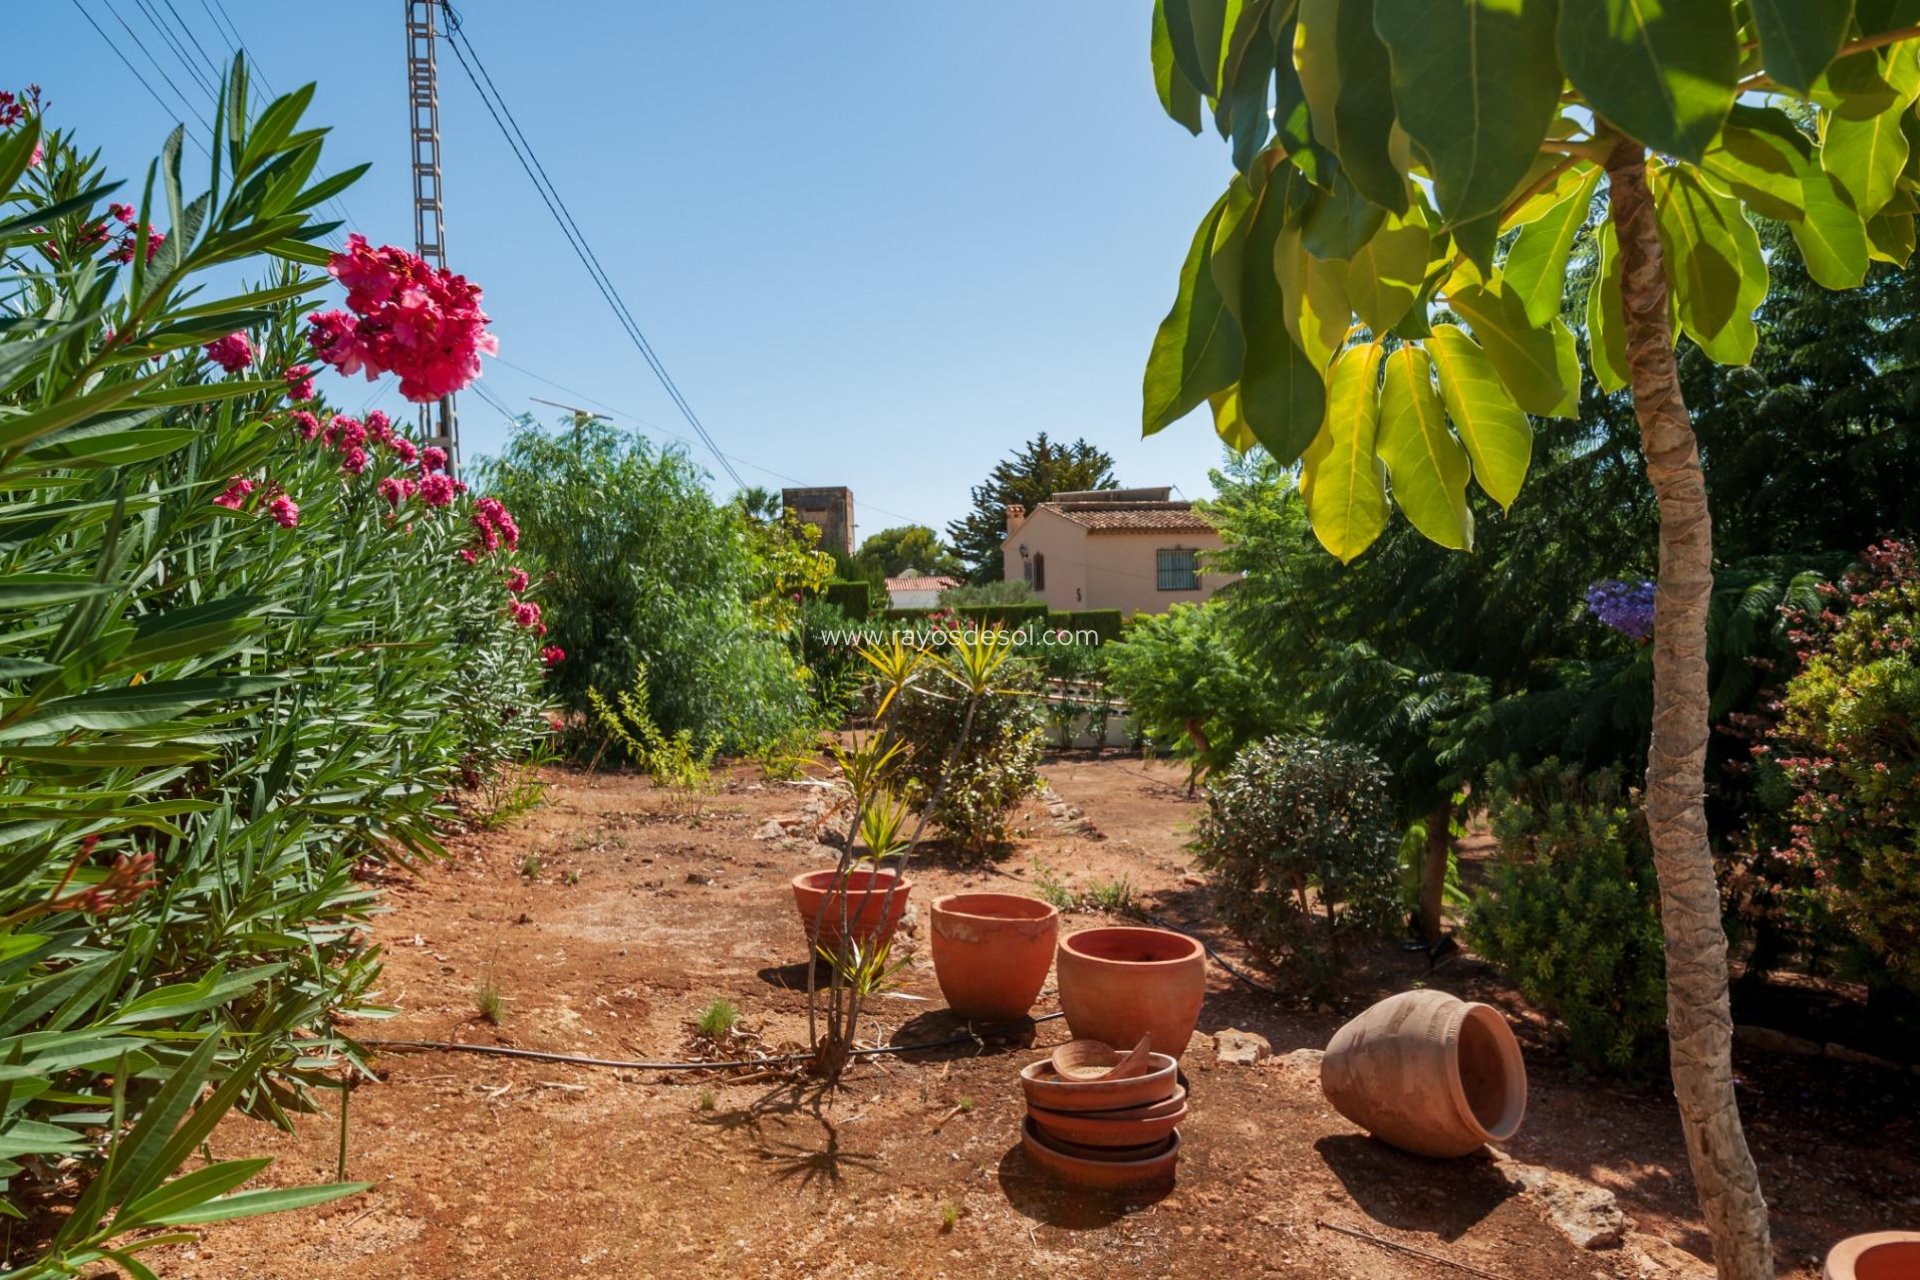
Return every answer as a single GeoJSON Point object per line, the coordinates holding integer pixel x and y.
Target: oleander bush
{"type": "Point", "coordinates": [245, 643]}
{"type": "Point", "coordinates": [1571, 911]}
{"type": "Point", "coordinates": [972, 760]}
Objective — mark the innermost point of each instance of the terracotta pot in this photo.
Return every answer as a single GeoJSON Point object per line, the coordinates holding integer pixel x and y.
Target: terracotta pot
{"type": "Point", "coordinates": [1428, 1073]}
{"type": "Point", "coordinates": [1155, 1170]}
{"type": "Point", "coordinates": [1881, 1255]}
{"type": "Point", "coordinates": [1117, 985]}
{"type": "Point", "coordinates": [1046, 1089]}
{"type": "Point", "coordinates": [1094, 1129]}
{"type": "Point", "coordinates": [1175, 1104]}
{"type": "Point", "coordinates": [866, 891]}
{"type": "Point", "coordinates": [991, 952]}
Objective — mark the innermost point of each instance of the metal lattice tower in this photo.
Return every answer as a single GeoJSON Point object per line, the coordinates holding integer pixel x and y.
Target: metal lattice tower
{"type": "Point", "coordinates": [439, 423]}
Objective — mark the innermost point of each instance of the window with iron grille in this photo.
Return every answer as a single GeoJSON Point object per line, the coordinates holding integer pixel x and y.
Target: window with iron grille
{"type": "Point", "coordinates": [1179, 569]}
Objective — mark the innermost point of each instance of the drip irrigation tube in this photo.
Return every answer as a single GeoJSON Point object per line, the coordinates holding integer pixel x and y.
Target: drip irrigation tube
{"type": "Point", "coordinates": [1218, 959]}
{"type": "Point", "coordinates": [779, 1060]}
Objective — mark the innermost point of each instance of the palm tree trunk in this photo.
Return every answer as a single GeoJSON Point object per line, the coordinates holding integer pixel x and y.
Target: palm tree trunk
{"type": "Point", "coordinates": [1699, 1020]}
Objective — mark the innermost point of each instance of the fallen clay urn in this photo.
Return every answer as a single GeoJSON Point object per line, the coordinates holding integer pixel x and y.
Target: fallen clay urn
{"type": "Point", "coordinates": [866, 898]}
{"type": "Point", "coordinates": [1428, 1073]}
{"type": "Point", "coordinates": [1118, 984]}
{"type": "Point", "coordinates": [991, 952]}
{"type": "Point", "coordinates": [1881, 1255]}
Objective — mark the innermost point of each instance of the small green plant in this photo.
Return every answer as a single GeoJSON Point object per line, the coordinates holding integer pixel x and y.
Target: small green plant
{"type": "Point", "coordinates": [512, 791]}
{"type": "Point", "coordinates": [949, 1215]}
{"type": "Point", "coordinates": [965, 1105]}
{"type": "Point", "coordinates": [708, 1099]}
{"type": "Point", "coordinates": [719, 1019]}
{"type": "Point", "coordinates": [530, 866]}
{"type": "Point", "coordinates": [488, 1003]}
{"type": "Point", "coordinates": [1051, 888]}
{"type": "Point", "coordinates": [572, 877]}
{"type": "Point", "coordinates": [671, 760]}
{"type": "Point", "coordinates": [1112, 896]}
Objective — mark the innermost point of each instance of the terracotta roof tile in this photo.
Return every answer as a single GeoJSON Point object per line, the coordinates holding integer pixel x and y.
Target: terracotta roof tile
{"type": "Point", "coordinates": [1127, 517]}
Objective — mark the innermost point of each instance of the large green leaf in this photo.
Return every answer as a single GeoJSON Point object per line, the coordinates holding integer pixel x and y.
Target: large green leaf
{"type": "Point", "coordinates": [1427, 465]}
{"type": "Point", "coordinates": [1869, 154]}
{"type": "Point", "coordinates": [1281, 396]}
{"type": "Point", "coordinates": [1832, 238]}
{"type": "Point", "coordinates": [1890, 238]}
{"type": "Point", "coordinates": [1662, 71]}
{"type": "Point", "coordinates": [1198, 348]}
{"type": "Point", "coordinates": [1497, 435]}
{"type": "Point", "coordinates": [1765, 167]}
{"type": "Point", "coordinates": [1713, 260]}
{"type": "Point", "coordinates": [1606, 316]}
{"type": "Point", "coordinates": [1475, 85]}
{"type": "Point", "coordinates": [248, 1204]}
{"type": "Point", "coordinates": [1539, 365]}
{"type": "Point", "coordinates": [1339, 221]}
{"type": "Point", "coordinates": [1349, 86]}
{"type": "Point", "coordinates": [1341, 478]}
{"type": "Point", "coordinates": [1536, 266]}
{"type": "Point", "coordinates": [1228, 424]}
{"type": "Point", "coordinates": [1384, 275]}
{"type": "Point", "coordinates": [1798, 38]}
{"type": "Point", "coordinates": [1318, 311]}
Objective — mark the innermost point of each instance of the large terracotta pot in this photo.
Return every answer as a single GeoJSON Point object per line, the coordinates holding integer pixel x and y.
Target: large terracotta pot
{"type": "Point", "coordinates": [1117, 985]}
{"type": "Point", "coordinates": [991, 952]}
{"type": "Point", "coordinates": [866, 894]}
{"type": "Point", "coordinates": [1882, 1255]}
{"type": "Point", "coordinates": [1428, 1073]}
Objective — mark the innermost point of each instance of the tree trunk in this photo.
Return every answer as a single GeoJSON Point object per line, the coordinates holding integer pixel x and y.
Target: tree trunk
{"type": "Point", "coordinates": [1699, 1020]}
{"type": "Point", "coordinates": [1433, 871]}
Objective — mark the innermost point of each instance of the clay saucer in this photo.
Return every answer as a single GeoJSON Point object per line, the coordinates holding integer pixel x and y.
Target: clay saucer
{"type": "Point", "coordinates": [1096, 1129]}
{"type": "Point", "coordinates": [1044, 1087]}
{"type": "Point", "coordinates": [1097, 1060]}
{"type": "Point", "coordinates": [1152, 1170]}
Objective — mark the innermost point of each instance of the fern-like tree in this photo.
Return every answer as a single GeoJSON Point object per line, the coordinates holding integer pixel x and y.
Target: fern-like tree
{"type": "Point", "coordinates": [1042, 468]}
{"type": "Point", "coordinates": [1377, 295]}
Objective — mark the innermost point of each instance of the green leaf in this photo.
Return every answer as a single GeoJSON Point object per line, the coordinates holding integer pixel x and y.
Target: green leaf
{"type": "Point", "coordinates": [1761, 167]}
{"type": "Point", "coordinates": [1384, 275]}
{"type": "Point", "coordinates": [1475, 85]}
{"type": "Point", "coordinates": [252, 1203]}
{"type": "Point", "coordinates": [1245, 80]}
{"type": "Point", "coordinates": [1539, 366]}
{"type": "Point", "coordinates": [188, 1191]}
{"type": "Point", "coordinates": [1178, 98]}
{"type": "Point", "coordinates": [1348, 82]}
{"type": "Point", "coordinates": [1318, 312]}
{"type": "Point", "coordinates": [1339, 221]}
{"type": "Point", "coordinates": [138, 707]}
{"type": "Point", "coordinates": [1536, 266]}
{"type": "Point", "coordinates": [1890, 238]}
{"type": "Point", "coordinates": [1281, 396]}
{"type": "Point", "coordinates": [1178, 20]}
{"type": "Point", "coordinates": [1228, 424]}
{"type": "Point", "coordinates": [1798, 38]}
{"type": "Point", "coordinates": [1661, 72]}
{"type": "Point", "coordinates": [1868, 155]}
{"type": "Point", "coordinates": [1832, 238]}
{"type": "Point", "coordinates": [1713, 260]}
{"type": "Point", "coordinates": [1498, 438]}
{"type": "Point", "coordinates": [1198, 348]}
{"type": "Point", "coordinates": [39, 590]}
{"type": "Point", "coordinates": [1341, 479]}
{"type": "Point", "coordinates": [1607, 316]}
{"type": "Point", "coordinates": [1427, 466]}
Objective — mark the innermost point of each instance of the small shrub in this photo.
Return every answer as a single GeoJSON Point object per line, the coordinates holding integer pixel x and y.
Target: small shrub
{"type": "Point", "coordinates": [719, 1019]}
{"type": "Point", "coordinates": [1186, 685]}
{"type": "Point", "coordinates": [1572, 911]}
{"type": "Point", "coordinates": [488, 1003]}
{"type": "Point", "coordinates": [572, 877]}
{"type": "Point", "coordinates": [1112, 896]}
{"type": "Point", "coordinates": [1300, 827]}
{"type": "Point", "coordinates": [976, 788]}
{"type": "Point", "coordinates": [671, 760]}
{"type": "Point", "coordinates": [1051, 888]}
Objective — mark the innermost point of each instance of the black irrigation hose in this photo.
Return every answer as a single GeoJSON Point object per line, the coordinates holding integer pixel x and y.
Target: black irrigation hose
{"type": "Point", "coordinates": [540, 1055]}
{"type": "Point", "coordinates": [1206, 946]}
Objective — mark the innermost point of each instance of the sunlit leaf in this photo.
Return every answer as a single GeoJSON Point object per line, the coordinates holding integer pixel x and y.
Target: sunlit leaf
{"type": "Point", "coordinates": [1662, 73]}
{"type": "Point", "coordinates": [1348, 82]}
{"type": "Point", "coordinates": [1536, 265]}
{"type": "Point", "coordinates": [1341, 478]}
{"type": "Point", "coordinates": [1197, 350]}
{"type": "Point", "coordinates": [1427, 466]}
{"type": "Point", "coordinates": [1540, 366]}
{"type": "Point", "coordinates": [1497, 436]}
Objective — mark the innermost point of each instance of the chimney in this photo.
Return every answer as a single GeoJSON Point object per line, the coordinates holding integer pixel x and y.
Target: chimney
{"type": "Point", "coordinates": [1016, 516]}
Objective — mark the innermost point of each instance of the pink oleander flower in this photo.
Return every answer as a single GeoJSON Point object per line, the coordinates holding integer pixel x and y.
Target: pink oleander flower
{"type": "Point", "coordinates": [299, 383]}
{"type": "Point", "coordinates": [553, 655]}
{"type": "Point", "coordinates": [235, 495]}
{"type": "Point", "coordinates": [421, 322]}
{"type": "Point", "coordinates": [525, 613]}
{"type": "Point", "coordinates": [433, 458]}
{"type": "Point", "coordinates": [496, 521]}
{"type": "Point", "coordinates": [305, 423]}
{"type": "Point", "coordinates": [396, 489]}
{"type": "Point", "coordinates": [284, 510]}
{"type": "Point", "coordinates": [344, 433]}
{"type": "Point", "coordinates": [39, 154]}
{"type": "Point", "coordinates": [489, 536]}
{"type": "Point", "coordinates": [436, 489]}
{"type": "Point", "coordinates": [404, 449]}
{"type": "Point", "coordinates": [353, 460]}
{"type": "Point", "coordinates": [232, 353]}
{"type": "Point", "coordinates": [380, 427]}
{"type": "Point", "coordinates": [517, 581]}
{"type": "Point", "coordinates": [468, 554]}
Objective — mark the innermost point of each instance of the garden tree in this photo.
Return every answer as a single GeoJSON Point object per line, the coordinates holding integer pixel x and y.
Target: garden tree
{"type": "Point", "coordinates": [1031, 476]}
{"type": "Point", "coordinates": [892, 552]}
{"type": "Point", "coordinates": [1402, 161]}
{"type": "Point", "coordinates": [759, 503]}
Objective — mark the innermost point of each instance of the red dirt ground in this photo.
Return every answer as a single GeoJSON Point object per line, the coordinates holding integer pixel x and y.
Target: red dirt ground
{"type": "Point", "coordinates": [490, 1167]}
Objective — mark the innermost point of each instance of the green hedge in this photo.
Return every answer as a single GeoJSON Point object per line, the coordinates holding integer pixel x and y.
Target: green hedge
{"type": "Point", "coordinates": [1106, 622]}
{"type": "Point", "coordinates": [855, 599]}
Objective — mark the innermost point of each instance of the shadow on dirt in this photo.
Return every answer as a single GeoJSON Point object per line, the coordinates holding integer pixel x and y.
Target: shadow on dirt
{"type": "Point", "coordinates": [1447, 1198]}
{"type": "Point", "coordinates": [1039, 1197]}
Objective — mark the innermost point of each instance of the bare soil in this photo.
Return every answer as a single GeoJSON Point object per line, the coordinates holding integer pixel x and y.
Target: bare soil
{"type": "Point", "coordinates": [635, 920]}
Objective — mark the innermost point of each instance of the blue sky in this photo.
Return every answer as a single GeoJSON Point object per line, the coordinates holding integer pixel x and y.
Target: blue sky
{"type": "Point", "coordinates": [877, 244]}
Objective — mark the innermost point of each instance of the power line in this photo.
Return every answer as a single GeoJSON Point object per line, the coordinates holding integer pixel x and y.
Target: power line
{"type": "Point", "coordinates": [135, 71]}
{"type": "Point", "coordinates": [185, 102]}
{"type": "Point", "coordinates": [556, 205]}
{"type": "Point", "coordinates": [179, 50]}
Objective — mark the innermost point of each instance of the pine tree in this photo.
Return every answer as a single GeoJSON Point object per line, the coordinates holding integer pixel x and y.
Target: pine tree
{"type": "Point", "coordinates": [1040, 470]}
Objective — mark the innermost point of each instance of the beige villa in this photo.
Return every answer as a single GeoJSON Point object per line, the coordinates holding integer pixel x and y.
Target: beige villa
{"type": "Point", "coordinates": [1135, 550]}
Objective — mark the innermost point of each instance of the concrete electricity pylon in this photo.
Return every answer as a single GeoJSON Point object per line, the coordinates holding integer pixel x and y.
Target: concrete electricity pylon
{"type": "Point", "coordinates": [439, 423]}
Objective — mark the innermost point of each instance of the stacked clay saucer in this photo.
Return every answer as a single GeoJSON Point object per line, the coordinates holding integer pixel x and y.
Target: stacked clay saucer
{"type": "Point", "coordinates": [1097, 1117]}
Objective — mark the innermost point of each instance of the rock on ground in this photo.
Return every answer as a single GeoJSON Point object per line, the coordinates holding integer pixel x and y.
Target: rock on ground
{"type": "Point", "coordinates": [1240, 1048]}
{"type": "Point", "coordinates": [1583, 1213]}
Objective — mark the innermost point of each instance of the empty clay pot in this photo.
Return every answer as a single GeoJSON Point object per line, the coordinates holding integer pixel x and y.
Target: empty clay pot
{"type": "Point", "coordinates": [866, 892]}
{"type": "Point", "coordinates": [1152, 1170]}
{"type": "Point", "coordinates": [1119, 984]}
{"type": "Point", "coordinates": [1881, 1255]}
{"type": "Point", "coordinates": [1428, 1073]}
{"type": "Point", "coordinates": [1095, 1129]}
{"type": "Point", "coordinates": [1044, 1087]}
{"type": "Point", "coordinates": [991, 952]}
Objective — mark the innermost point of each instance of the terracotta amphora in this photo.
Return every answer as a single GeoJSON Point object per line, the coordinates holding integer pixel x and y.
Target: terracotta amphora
{"type": "Point", "coordinates": [1119, 984]}
{"type": "Point", "coordinates": [1429, 1073]}
{"type": "Point", "coordinates": [991, 952]}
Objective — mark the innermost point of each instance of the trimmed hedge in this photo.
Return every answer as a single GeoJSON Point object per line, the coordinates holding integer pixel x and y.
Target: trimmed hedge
{"type": "Point", "coordinates": [855, 599]}
{"type": "Point", "coordinates": [1108, 623]}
